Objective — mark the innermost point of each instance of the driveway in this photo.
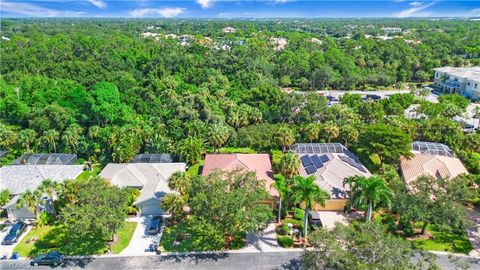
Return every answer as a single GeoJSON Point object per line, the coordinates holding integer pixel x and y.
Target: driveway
{"type": "Point", "coordinates": [141, 240]}
{"type": "Point", "coordinates": [264, 241]}
{"type": "Point", "coordinates": [8, 249]}
{"type": "Point", "coordinates": [329, 218]}
{"type": "Point", "coordinates": [474, 232]}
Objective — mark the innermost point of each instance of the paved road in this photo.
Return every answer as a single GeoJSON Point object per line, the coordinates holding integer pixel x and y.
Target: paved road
{"type": "Point", "coordinates": [254, 261]}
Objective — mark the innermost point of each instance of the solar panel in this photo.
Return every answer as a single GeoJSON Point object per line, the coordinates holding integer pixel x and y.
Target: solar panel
{"type": "Point", "coordinates": [310, 169]}
{"type": "Point", "coordinates": [324, 158]}
{"type": "Point", "coordinates": [306, 161]}
{"type": "Point", "coordinates": [316, 161]}
{"type": "Point", "coordinates": [318, 148]}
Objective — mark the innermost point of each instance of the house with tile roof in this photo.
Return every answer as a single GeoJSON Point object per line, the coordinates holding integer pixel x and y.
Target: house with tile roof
{"type": "Point", "coordinates": [17, 179]}
{"type": "Point", "coordinates": [330, 164]}
{"type": "Point", "coordinates": [258, 163]}
{"type": "Point", "coordinates": [150, 178]}
{"type": "Point", "coordinates": [430, 159]}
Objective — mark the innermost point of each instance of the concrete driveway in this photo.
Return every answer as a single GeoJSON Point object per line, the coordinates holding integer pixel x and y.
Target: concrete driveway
{"type": "Point", "coordinates": [329, 218]}
{"type": "Point", "coordinates": [141, 240]}
{"type": "Point", "coordinates": [264, 241]}
{"type": "Point", "coordinates": [8, 249]}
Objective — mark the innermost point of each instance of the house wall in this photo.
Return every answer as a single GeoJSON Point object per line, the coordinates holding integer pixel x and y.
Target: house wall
{"type": "Point", "coordinates": [19, 213]}
{"type": "Point", "coordinates": [471, 91]}
{"type": "Point", "coordinates": [150, 207]}
{"type": "Point", "coordinates": [332, 205]}
{"type": "Point", "coordinates": [270, 202]}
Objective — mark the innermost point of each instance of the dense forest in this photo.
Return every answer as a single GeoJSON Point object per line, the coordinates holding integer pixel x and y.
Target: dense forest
{"type": "Point", "coordinates": [101, 89]}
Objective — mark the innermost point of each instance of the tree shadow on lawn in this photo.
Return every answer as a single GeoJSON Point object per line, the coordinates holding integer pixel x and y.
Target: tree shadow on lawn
{"type": "Point", "coordinates": [57, 240]}
{"type": "Point", "coordinates": [293, 264]}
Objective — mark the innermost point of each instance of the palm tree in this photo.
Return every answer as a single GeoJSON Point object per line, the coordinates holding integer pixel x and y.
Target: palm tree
{"type": "Point", "coordinates": [173, 204]}
{"type": "Point", "coordinates": [218, 136]}
{"type": "Point", "coordinates": [289, 164]}
{"type": "Point", "coordinates": [29, 199]}
{"type": "Point", "coordinates": [72, 135]}
{"type": "Point", "coordinates": [371, 191]}
{"type": "Point", "coordinates": [51, 189]}
{"type": "Point", "coordinates": [27, 137]}
{"type": "Point", "coordinates": [311, 132]}
{"type": "Point", "coordinates": [284, 137]}
{"type": "Point", "coordinates": [51, 136]}
{"type": "Point", "coordinates": [331, 131]}
{"type": "Point", "coordinates": [307, 192]}
{"type": "Point", "coordinates": [181, 182]}
{"type": "Point", "coordinates": [282, 188]}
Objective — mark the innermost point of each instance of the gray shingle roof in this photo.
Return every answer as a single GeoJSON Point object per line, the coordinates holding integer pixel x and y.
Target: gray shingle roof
{"type": "Point", "coordinates": [151, 178]}
{"type": "Point", "coordinates": [46, 159]}
{"type": "Point", "coordinates": [18, 179]}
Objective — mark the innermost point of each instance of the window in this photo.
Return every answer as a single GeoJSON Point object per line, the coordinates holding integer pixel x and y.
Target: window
{"type": "Point", "coordinates": [468, 83]}
{"type": "Point", "coordinates": [476, 85]}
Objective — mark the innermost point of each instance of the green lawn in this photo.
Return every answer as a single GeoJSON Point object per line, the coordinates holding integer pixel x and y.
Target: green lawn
{"type": "Point", "coordinates": [195, 169]}
{"type": "Point", "coordinates": [41, 240]}
{"type": "Point", "coordinates": [444, 241]}
{"type": "Point", "coordinates": [124, 235]}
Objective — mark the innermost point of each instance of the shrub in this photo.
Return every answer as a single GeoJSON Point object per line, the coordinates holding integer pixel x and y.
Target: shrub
{"type": "Point", "coordinates": [390, 222]}
{"type": "Point", "coordinates": [405, 225]}
{"type": "Point", "coordinates": [44, 219]}
{"type": "Point", "coordinates": [299, 214]}
{"type": "Point", "coordinates": [283, 230]}
{"type": "Point", "coordinates": [285, 241]}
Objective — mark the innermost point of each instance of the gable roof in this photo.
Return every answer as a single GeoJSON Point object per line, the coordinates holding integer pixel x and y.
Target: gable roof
{"type": "Point", "coordinates": [151, 178]}
{"type": "Point", "coordinates": [337, 164]}
{"type": "Point", "coordinates": [258, 163]}
{"type": "Point", "coordinates": [18, 179]}
{"type": "Point", "coordinates": [46, 159]}
{"type": "Point", "coordinates": [431, 165]}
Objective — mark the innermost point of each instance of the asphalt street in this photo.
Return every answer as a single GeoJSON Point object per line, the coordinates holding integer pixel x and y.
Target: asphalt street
{"type": "Point", "coordinates": [253, 261]}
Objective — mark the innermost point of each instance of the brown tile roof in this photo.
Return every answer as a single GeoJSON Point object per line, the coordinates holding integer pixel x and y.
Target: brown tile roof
{"type": "Point", "coordinates": [258, 163]}
{"type": "Point", "coordinates": [432, 165]}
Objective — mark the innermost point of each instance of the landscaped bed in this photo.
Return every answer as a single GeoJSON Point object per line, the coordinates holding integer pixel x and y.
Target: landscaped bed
{"type": "Point", "coordinates": [40, 240]}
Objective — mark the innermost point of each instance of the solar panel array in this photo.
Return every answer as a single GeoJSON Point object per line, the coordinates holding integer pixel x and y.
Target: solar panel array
{"type": "Point", "coordinates": [318, 148]}
{"type": "Point", "coordinates": [313, 162]}
{"type": "Point", "coordinates": [352, 162]}
{"type": "Point", "coordinates": [46, 159]}
{"type": "Point", "coordinates": [432, 148]}
{"type": "Point", "coordinates": [153, 158]}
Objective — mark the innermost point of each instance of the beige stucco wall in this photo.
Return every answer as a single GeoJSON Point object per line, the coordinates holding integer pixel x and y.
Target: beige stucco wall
{"type": "Point", "coordinates": [332, 205]}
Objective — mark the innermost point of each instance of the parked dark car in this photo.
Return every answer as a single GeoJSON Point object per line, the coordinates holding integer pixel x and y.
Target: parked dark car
{"type": "Point", "coordinates": [155, 225]}
{"type": "Point", "coordinates": [373, 96]}
{"type": "Point", "coordinates": [14, 233]}
{"type": "Point", "coordinates": [314, 220]}
{"type": "Point", "coordinates": [332, 98]}
{"type": "Point", "coordinates": [52, 258]}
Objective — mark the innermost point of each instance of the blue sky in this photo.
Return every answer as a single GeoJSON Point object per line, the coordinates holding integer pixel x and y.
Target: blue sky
{"type": "Point", "coordinates": [238, 8]}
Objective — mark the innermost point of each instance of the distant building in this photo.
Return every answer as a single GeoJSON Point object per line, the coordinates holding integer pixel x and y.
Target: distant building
{"type": "Point", "coordinates": [279, 43]}
{"type": "Point", "coordinates": [391, 30]}
{"type": "Point", "coordinates": [464, 81]}
{"type": "Point", "coordinates": [229, 30]}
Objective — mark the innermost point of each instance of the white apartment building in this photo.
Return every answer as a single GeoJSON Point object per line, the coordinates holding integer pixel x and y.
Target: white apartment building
{"type": "Point", "coordinates": [229, 30]}
{"type": "Point", "coordinates": [464, 81]}
{"type": "Point", "coordinates": [390, 30]}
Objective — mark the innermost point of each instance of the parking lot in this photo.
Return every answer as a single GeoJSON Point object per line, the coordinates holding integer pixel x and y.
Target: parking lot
{"type": "Point", "coordinates": [141, 241]}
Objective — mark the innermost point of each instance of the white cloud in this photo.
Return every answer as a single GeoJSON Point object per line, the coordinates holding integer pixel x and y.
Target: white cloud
{"type": "Point", "coordinates": [31, 10]}
{"type": "Point", "coordinates": [282, 1]}
{"type": "Point", "coordinates": [475, 12]}
{"type": "Point", "coordinates": [205, 3]}
{"type": "Point", "coordinates": [98, 3]}
{"type": "Point", "coordinates": [164, 12]}
{"type": "Point", "coordinates": [415, 10]}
